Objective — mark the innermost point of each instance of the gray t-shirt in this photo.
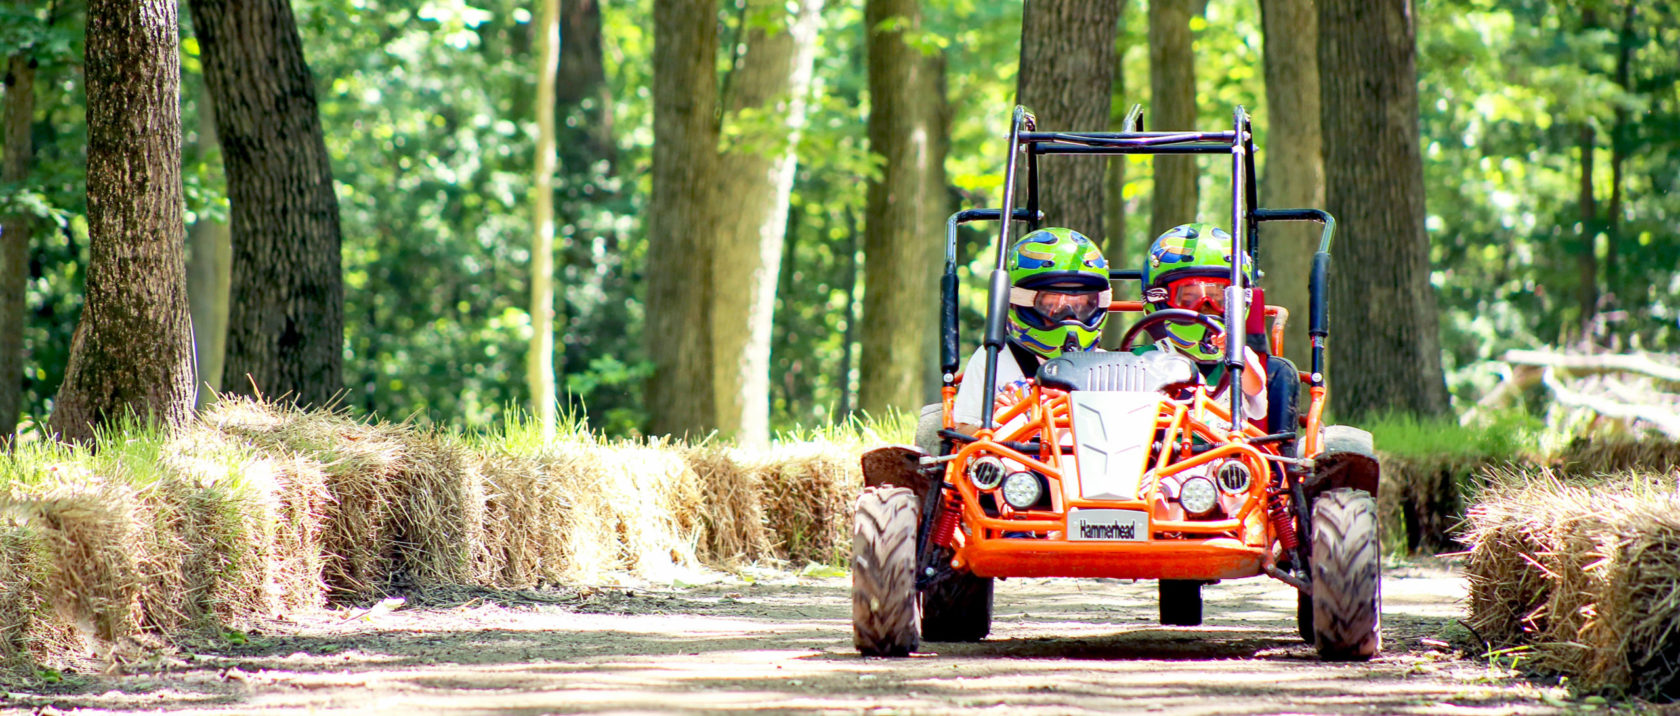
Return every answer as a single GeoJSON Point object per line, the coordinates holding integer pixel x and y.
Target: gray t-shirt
{"type": "Point", "coordinates": [967, 406]}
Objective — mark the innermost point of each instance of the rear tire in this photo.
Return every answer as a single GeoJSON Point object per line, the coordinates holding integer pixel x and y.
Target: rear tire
{"type": "Point", "coordinates": [1303, 616]}
{"type": "Point", "coordinates": [885, 608]}
{"type": "Point", "coordinates": [1347, 576]}
{"type": "Point", "coordinates": [957, 608]}
{"type": "Point", "coordinates": [1181, 602]}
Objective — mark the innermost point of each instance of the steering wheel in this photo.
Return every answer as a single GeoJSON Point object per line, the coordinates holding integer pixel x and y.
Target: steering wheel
{"type": "Point", "coordinates": [1170, 315]}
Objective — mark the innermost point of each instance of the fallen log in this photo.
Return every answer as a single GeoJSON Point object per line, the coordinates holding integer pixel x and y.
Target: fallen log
{"type": "Point", "coordinates": [1606, 363]}
{"type": "Point", "coordinates": [1664, 420]}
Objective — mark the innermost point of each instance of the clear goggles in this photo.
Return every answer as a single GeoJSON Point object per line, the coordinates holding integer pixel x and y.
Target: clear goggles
{"type": "Point", "coordinates": [1048, 308]}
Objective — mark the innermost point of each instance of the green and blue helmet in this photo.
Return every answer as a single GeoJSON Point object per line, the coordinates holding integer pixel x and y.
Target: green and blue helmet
{"type": "Point", "coordinates": [1189, 267]}
{"type": "Point", "coordinates": [1059, 292]}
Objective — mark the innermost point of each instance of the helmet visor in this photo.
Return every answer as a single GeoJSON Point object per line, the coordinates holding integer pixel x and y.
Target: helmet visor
{"type": "Point", "coordinates": [1202, 294]}
{"type": "Point", "coordinates": [1048, 308]}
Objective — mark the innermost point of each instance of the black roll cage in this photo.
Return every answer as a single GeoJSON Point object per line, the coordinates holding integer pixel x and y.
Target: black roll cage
{"type": "Point", "coordinates": [1246, 219]}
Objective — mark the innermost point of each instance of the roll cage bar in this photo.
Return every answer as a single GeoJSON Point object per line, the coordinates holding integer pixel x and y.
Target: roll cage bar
{"type": "Point", "coordinates": [1246, 218]}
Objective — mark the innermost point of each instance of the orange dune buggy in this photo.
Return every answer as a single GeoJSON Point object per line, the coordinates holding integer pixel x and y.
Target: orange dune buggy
{"type": "Point", "coordinates": [1123, 465]}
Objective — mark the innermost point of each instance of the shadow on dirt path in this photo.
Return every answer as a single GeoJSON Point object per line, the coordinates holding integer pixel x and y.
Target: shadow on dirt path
{"type": "Point", "coordinates": [784, 644]}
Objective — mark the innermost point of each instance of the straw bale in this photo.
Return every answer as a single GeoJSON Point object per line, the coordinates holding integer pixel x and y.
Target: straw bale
{"type": "Point", "coordinates": [1635, 632]}
{"type": "Point", "coordinates": [438, 519]}
{"type": "Point", "coordinates": [96, 541]}
{"type": "Point", "coordinates": [526, 515]}
{"type": "Point", "coordinates": [1603, 457]}
{"type": "Point", "coordinates": [30, 631]}
{"type": "Point", "coordinates": [732, 489]}
{"type": "Point", "coordinates": [652, 500]}
{"type": "Point", "coordinates": [808, 493]}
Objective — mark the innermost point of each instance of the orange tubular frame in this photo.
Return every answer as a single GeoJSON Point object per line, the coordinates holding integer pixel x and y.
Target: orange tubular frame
{"type": "Point", "coordinates": [1239, 545]}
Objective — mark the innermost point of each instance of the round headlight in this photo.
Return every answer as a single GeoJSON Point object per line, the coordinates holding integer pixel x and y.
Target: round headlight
{"type": "Point", "coordinates": [1022, 490]}
{"type": "Point", "coordinates": [1234, 477]}
{"type": "Point", "coordinates": [1198, 496]}
{"type": "Point", "coordinates": [986, 472]}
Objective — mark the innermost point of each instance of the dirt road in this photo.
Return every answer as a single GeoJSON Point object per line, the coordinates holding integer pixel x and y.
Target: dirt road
{"type": "Point", "coordinates": [783, 643]}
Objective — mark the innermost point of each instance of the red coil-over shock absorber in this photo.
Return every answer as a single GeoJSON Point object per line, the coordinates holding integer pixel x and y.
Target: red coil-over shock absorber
{"type": "Point", "coordinates": [1283, 522]}
{"type": "Point", "coordinates": [950, 512]}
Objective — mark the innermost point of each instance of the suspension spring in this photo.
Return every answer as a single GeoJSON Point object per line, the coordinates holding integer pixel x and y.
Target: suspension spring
{"type": "Point", "coordinates": [950, 513]}
{"type": "Point", "coordinates": [1283, 522]}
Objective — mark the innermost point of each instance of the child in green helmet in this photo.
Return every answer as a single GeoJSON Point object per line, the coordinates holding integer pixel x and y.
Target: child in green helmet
{"type": "Point", "coordinates": [1188, 268]}
{"type": "Point", "coordinates": [1058, 300]}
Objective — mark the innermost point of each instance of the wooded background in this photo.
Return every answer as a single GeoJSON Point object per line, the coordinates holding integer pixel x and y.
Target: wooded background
{"type": "Point", "coordinates": [745, 199]}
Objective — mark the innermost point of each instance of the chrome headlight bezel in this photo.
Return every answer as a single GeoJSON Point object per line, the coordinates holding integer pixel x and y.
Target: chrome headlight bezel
{"type": "Point", "coordinates": [986, 472]}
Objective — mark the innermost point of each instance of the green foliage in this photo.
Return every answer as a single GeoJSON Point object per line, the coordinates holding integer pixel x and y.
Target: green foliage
{"type": "Point", "coordinates": [1504, 436]}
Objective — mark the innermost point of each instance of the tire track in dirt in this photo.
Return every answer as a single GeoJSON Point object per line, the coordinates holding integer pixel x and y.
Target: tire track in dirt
{"type": "Point", "coordinates": [783, 643]}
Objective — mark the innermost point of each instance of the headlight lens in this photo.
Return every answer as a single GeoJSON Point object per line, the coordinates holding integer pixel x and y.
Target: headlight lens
{"type": "Point", "coordinates": [1198, 496]}
{"type": "Point", "coordinates": [1022, 490]}
{"type": "Point", "coordinates": [986, 472]}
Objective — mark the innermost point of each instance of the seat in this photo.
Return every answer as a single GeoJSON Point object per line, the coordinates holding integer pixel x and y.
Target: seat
{"type": "Point", "coordinates": [1155, 371]}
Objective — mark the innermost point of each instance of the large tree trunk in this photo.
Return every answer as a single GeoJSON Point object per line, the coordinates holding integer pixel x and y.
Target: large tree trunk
{"type": "Point", "coordinates": [539, 358]}
{"type": "Point", "coordinates": [900, 253]}
{"type": "Point", "coordinates": [1294, 159]}
{"type": "Point", "coordinates": [939, 202]}
{"type": "Point", "coordinates": [14, 239]}
{"type": "Point", "coordinates": [1114, 192]}
{"type": "Point", "coordinates": [132, 351]}
{"type": "Point", "coordinates": [1172, 87]}
{"type": "Point", "coordinates": [1065, 77]}
{"type": "Point", "coordinates": [1382, 313]}
{"type": "Point", "coordinates": [680, 394]}
{"type": "Point", "coordinates": [755, 179]}
{"type": "Point", "coordinates": [286, 322]}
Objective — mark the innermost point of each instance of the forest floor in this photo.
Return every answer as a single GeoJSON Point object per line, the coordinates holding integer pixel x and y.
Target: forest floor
{"type": "Point", "coordinates": [779, 642]}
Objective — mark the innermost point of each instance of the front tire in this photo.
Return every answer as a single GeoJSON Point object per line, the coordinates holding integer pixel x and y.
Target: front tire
{"type": "Point", "coordinates": [885, 608]}
{"type": "Point", "coordinates": [957, 608]}
{"type": "Point", "coordinates": [1181, 602]}
{"type": "Point", "coordinates": [1347, 576]}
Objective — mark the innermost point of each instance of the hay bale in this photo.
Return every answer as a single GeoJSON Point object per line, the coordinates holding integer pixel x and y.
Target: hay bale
{"type": "Point", "coordinates": [732, 489]}
{"type": "Point", "coordinates": [438, 518]}
{"type": "Point", "coordinates": [96, 541]}
{"type": "Point", "coordinates": [1606, 457]}
{"type": "Point", "coordinates": [808, 491]}
{"type": "Point", "coordinates": [525, 512]}
{"type": "Point", "coordinates": [1585, 573]}
{"type": "Point", "coordinates": [31, 633]}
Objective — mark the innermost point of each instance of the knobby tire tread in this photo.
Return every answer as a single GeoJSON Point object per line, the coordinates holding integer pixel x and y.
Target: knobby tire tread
{"type": "Point", "coordinates": [885, 611]}
{"type": "Point", "coordinates": [1346, 568]}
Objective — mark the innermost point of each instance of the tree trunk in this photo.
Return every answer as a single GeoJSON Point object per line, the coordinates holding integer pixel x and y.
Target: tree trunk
{"type": "Point", "coordinates": [680, 394]}
{"type": "Point", "coordinates": [1114, 193]}
{"type": "Point", "coordinates": [14, 239]}
{"type": "Point", "coordinates": [286, 316]}
{"type": "Point", "coordinates": [1586, 258]}
{"type": "Point", "coordinates": [939, 204]}
{"type": "Point", "coordinates": [1066, 76]}
{"type": "Point", "coordinates": [1294, 159]}
{"type": "Point", "coordinates": [132, 351]}
{"type": "Point", "coordinates": [582, 83]}
{"type": "Point", "coordinates": [1172, 86]}
{"type": "Point", "coordinates": [1618, 155]}
{"type": "Point", "coordinates": [899, 252]}
{"type": "Point", "coordinates": [1382, 312]}
{"type": "Point", "coordinates": [539, 358]}
{"type": "Point", "coordinates": [209, 257]}
{"type": "Point", "coordinates": [755, 178]}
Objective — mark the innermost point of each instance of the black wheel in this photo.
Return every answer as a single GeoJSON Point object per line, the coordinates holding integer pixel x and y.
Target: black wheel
{"type": "Point", "coordinates": [1303, 615]}
{"type": "Point", "coordinates": [1347, 573]}
{"type": "Point", "coordinates": [884, 604]}
{"type": "Point", "coordinates": [957, 608]}
{"type": "Point", "coordinates": [1181, 602]}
